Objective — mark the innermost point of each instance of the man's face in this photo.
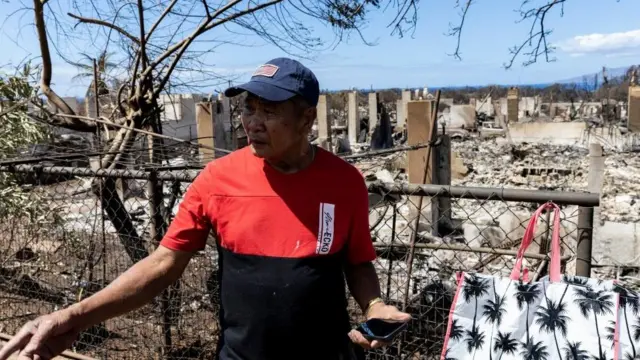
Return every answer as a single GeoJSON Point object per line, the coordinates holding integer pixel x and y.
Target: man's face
{"type": "Point", "coordinates": [275, 129]}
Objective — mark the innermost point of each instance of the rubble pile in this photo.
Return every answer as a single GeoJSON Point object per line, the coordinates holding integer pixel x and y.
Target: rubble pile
{"type": "Point", "coordinates": [537, 167]}
{"type": "Point", "coordinates": [621, 189]}
{"type": "Point", "coordinates": [525, 165]}
{"type": "Point", "coordinates": [498, 224]}
{"type": "Point", "coordinates": [553, 167]}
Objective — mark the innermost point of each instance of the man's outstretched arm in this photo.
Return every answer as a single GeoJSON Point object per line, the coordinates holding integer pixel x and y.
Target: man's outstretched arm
{"type": "Point", "coordinates": [132, 289]}
{"type": "Point", "coordinates": [49, 335]}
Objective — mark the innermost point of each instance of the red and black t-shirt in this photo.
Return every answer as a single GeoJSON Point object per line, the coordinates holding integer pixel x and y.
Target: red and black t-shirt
{"type": "Point", "coordinates": [283, 240]}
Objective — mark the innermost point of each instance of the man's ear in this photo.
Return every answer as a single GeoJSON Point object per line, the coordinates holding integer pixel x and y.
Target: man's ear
{"type": "Point", "coordinates": [309, 117]}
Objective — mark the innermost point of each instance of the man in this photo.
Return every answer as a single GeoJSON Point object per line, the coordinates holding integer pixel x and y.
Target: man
{"type": "Point", "coordinates": [291, 222]}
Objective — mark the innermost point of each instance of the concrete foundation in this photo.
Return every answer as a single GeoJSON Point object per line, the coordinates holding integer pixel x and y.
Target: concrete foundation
{"type": "Point", "coordinates": [573, 133]}
{"type": "Point", "coordinates": [400, 114]}
{"type": "Point", "coordinates": [419, 132]}
{"type": "Point", "coordinates": [373, 111]}
{"type": "Point", "coordinates": [558, 133]}
{"type": "Point", "coordinates": [401, 108]}
{"type": "Point", "coordinates": [512, 105]}
{"type": "Point", "coordinates": [459, 116]}
{"type": "Point", "coordinates": [419, 128]}
{"type": "Point", "coordinates": [353, 121]}
{"type": "Point", "coordinates": [205, 128]}
{"type": "Point", "coordinates": [634, 109]}
{"type": "Point", "coordinates": [324, 124]}
{"type": "Point", "coordinates": [223, 117]}
{"type": "Point", "coordinates": [617, 244]}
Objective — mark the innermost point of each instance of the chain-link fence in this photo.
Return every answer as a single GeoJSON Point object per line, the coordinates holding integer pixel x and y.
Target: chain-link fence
{"type": "Point", "coordinates": [78, 229]}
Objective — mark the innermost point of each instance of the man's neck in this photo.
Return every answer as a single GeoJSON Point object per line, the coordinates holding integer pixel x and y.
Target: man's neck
{"type": "Point", "coordinates": [297, 160]}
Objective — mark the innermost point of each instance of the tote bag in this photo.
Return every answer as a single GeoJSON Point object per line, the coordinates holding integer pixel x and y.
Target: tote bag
{"type": "Point", "coordinates": [627, 338]}
{"type": "Point", "coordinates": [558, 317]}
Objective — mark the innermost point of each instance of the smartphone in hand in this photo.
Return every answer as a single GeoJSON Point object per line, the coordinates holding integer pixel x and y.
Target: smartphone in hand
{"type": "Point", "coordinates": [381, 330]}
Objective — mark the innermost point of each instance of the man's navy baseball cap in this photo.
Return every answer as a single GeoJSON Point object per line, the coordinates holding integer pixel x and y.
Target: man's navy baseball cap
{"type": "Point", "coordinates": [280, 79]}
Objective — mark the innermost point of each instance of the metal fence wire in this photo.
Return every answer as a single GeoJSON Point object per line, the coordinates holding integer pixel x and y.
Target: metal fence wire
{"type": "Point", "coordinates": [61, 244]}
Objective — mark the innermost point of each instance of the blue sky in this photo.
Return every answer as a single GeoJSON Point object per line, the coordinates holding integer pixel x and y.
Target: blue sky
{"type": "Point", "coordinates": [586, 41]}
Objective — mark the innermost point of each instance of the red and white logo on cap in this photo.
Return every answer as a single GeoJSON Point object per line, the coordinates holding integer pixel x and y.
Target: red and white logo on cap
{"type": "Point", "coordinates": [267, 70]}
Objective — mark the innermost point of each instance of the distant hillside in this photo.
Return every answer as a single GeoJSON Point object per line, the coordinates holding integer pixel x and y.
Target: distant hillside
{"type": "Point", "coordinates": [612, 73]}
{"type": "Point", "coordinates": [582, 82]}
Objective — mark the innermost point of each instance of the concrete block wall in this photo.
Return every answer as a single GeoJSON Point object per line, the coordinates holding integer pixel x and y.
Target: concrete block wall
{"type": "Point", "coordinates": [634, 109]}
{"type": "Point", "coordinates": [512, 105]}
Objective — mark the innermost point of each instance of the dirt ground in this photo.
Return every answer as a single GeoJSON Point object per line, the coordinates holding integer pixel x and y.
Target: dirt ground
{"type": "Point", "coordinates": [44, 270]}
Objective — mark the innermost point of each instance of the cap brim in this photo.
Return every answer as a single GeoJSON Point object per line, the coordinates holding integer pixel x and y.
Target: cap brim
{"type": "Point", "coordinates": [263, 90]}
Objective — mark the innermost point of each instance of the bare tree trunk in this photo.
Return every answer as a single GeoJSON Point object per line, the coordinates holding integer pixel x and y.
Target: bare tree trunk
{"type": "Point", "coordinates": [170, 301]}
{"type": "Point", "coordinates": [120, 218]}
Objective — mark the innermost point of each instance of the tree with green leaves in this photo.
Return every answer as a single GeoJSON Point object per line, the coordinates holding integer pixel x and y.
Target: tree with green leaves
{"type": "Point", "coordinates": [16, 133]}
{"type": "Point", "coordinates": [102, 68]}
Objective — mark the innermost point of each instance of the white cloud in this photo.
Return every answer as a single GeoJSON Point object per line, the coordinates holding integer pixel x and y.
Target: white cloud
{"type": "Point", "coordinates": [602, 43]}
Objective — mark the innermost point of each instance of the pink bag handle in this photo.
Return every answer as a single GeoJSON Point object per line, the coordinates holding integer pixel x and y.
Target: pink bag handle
{"type": "Point", "coordinates": [527, 239]}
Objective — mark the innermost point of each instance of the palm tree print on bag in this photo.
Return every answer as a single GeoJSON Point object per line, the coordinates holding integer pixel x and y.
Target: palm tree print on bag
{"type": "Point", "coordinates": [532, 350]}
{"type": "Point", "coordinates": [553, 317]}
{"type": "Point", "coordinates": [447, 357]}
{"type": "Point", "coordinates": [629, 300]}
{"type": "Point", "coordinates": [611, 333]}
{"type": "Point", "coordinates": [575, 280]}
{"type": "Point", "coordinates": [526, 294]}
{"type": "Point", "coordinates": [457, 331]}
{"type": "Point", "coordinates": [494, 310]}
{"type": "Point", "coordinates": [636, 338]}
{"type": "Point", "coordinates": [474, 288]}
{"type": "Point", "coordinates": [597, 302]}
{"type": "Point", "coordinates": [505, 344]}
{"type": "Point", "coordinates": [455, 334]}
{"type": "Point", "coordinates": [573, 351]}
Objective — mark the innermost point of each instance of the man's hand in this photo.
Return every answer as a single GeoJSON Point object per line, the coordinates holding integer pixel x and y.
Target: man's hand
{"type": "Point", "coordinates": [378, 311]}
{"type": "Point", "coordinates": [43, 338]}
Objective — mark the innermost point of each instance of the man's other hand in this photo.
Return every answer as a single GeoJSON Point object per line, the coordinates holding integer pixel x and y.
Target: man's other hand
{"type": "Point", "coordinates": [43, 338]}
{"type": "Point", "coordinates": [378, 311]}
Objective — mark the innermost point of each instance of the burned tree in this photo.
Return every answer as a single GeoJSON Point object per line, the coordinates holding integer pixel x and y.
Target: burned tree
{"type": "Point", "coordinates": [155, 59]}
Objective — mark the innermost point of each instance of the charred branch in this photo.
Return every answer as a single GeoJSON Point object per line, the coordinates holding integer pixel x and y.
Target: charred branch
{"type": "Point", "coordinates": [537, 37]}
{"type": "Point", "coordinates": [457, 30]}
{"type": "Point", "coordinates": [182, 46]}
{"type": "Point", "coordinates": [107, 24]}
{"type": "Point", "coordinates": [120, 218]}
{"type": "Point", "coordinates": [45, 81]}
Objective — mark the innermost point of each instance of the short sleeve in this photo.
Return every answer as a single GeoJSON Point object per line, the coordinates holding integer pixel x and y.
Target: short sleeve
{"type": "Point", "coordinates": [191, 226]}
{"type": "Point", "coordinates": [360, 246]}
